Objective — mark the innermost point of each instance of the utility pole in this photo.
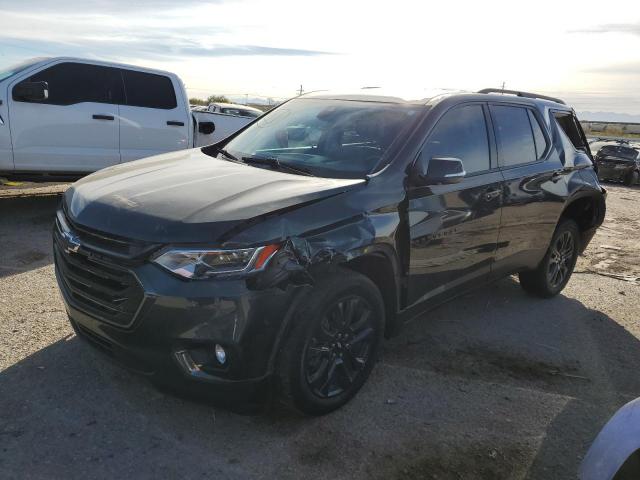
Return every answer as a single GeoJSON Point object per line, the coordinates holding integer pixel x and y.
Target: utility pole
{"type": "Point", "coordinates": [300, 93]}
{"type": "Point", "coordinates": [503, 87]}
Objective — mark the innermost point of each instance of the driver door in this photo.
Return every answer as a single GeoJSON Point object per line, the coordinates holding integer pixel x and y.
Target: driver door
{"type": "Point", "coordinates": [454, 228]}
{"type": "Point", "coordinates": [74, 130]}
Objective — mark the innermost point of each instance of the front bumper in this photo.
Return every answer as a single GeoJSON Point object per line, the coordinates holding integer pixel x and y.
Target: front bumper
{"type": "Point", "coordinates": [172, 335]}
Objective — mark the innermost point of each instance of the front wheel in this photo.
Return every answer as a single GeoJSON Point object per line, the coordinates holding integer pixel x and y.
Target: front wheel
{"type": "Point", "coordinates": [333, 344]}
{"type": "Point", "coordinates": [555, 269]}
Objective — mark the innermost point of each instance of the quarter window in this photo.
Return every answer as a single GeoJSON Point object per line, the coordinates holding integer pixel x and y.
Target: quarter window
{"type": "Point", "coordinates": [516, 144]}
{"type": "Point", "coordinates": [461, 133]}
{"type": "Point", "coordinates": [538, 137]}
{"type": "Point", "coordinates": [148, 90]}
{"type": "Point", "coordinates": [71, 83]}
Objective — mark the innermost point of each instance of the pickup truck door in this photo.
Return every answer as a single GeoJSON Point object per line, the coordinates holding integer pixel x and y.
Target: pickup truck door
{"type": "Point", "coordinates": [76, 129]}
{"type": "Point", "coordinates": [153, 119]}
{"type": "Point", "coordinates": [454, 228]}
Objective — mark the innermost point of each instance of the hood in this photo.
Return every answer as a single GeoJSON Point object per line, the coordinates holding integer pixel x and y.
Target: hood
{"type": "Point", "coordinates": [187, 197]}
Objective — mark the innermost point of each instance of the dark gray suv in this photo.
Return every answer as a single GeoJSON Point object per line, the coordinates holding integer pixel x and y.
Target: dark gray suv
{"type": "Point", "coordinates": [279, 258]}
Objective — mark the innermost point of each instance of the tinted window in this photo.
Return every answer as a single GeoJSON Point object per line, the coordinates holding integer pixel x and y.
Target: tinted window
{"type": "Point", "coordinates": [538, 136]}
{"type": "Point", "coordinates": [569, 125]}
{"type": "Point", "coordinates": [71, 83]}
{"type": "Point", "coordinates": [331, 138]}
{"type": "Point", "coordinates": [461, 133]}
{"type": "Point", "coordinates": [514, 135]}
{"type": "Point", "coordinates": [148, 90]}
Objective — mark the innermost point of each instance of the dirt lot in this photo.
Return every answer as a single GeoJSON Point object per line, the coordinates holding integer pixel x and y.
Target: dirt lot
{"type": "Point", "coordinates": [495, 385]}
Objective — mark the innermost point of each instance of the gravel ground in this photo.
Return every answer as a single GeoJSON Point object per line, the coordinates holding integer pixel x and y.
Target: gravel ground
{"type": "Point", "coordinates": [497, 385]}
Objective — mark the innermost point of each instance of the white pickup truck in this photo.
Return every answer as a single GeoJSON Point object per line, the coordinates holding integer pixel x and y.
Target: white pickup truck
{"type": "Point", "coordinates": [67, 117]}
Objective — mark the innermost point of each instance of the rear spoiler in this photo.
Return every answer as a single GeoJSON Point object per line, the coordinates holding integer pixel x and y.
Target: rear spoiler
{"type": "Point", "coordinates": [521, 94]}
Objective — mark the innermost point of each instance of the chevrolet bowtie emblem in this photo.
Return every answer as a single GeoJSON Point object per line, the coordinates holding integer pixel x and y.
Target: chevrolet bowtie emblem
{"type": "Point", "coordinates": [72, 243]}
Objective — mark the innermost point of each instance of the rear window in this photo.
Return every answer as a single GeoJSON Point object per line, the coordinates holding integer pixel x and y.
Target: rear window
{"type": "Point", "coordinates": [625, 153]}
{"type": "Point", "coordinates": [148, 90]}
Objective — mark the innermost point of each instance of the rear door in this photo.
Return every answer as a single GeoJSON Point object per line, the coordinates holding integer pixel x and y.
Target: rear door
{"type": "Point", "coordinates": [76, 129]}
{"type": "Point", "coordinates": [454, 228]}
{"type": "Point", "coordinates": [153, 118]}
{"type": "Point", "coordinates": [535, 187]}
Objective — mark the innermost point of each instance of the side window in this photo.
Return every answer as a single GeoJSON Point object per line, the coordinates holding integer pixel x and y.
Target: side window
{"type": "Point", "coordinates": [148, 90]}
{"type": "Point", "coordinates": [461, 133]}
{"type": "Point", "coordinates": [514, 135]}
{"type": "Point", "coordinates": [569, 125]}
{"type": "Point", "coordinates": [71, 83]}
{"type": "Point", "coordinates": [538, 137]}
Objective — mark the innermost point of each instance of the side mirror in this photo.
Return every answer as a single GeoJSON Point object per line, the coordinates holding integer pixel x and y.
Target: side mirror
{"type": "Point", "coordinates": [31, 91]}
{"type": "Point", "coordinates": [207, 128]}
{"type": "Point", "coordinates": [438, 171]}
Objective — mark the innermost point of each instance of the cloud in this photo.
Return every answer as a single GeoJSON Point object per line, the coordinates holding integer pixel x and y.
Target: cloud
{"type": "Point", "coordinates": [627, 68]}
{"type": "Point", "coordinates": [148, 46]}
{"type": "Point", "coordinates": [629, 28]}
{"type": "Point", "coordinates": [106, 7]}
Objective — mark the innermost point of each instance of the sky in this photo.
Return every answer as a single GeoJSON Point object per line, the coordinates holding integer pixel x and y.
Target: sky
{"type": "Point", "coordinates": [583, 51]}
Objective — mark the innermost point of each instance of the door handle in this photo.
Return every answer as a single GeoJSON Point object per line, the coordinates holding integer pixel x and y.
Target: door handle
{"type": "Point", "coordinates": [175, 123]}
{"type": "Point", "coordinates": [103, 117]}
{"type": "Point", "coordinates": [491, 194]}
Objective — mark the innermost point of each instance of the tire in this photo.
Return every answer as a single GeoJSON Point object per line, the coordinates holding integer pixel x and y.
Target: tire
{"type": "Point", "coordinates": [333, 344]}
{"type": "Point", "coordinates": [555, 269]}
{"type": "Point", "coordinates": [631, 178]}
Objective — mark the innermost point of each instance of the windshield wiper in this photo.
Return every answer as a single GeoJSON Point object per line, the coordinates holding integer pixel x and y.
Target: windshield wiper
{"type": "Point", "coordinates": [228, 155]}
{"type": "Point", "coordinates": [278, 165]}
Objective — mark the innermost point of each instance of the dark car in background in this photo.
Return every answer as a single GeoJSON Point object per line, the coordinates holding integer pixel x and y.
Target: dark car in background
{"type": "Point", "coordinates": [279, 258]}
{"type": "Point", "coordinates": [619, 162]}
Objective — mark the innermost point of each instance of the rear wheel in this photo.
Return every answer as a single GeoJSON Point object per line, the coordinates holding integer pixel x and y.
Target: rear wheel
{"type": "Point", "coordinates": [631, 178]}
{"type": "Point", "coordinates": [333, 345]}
{"type": "Point", "coordinates": [555, 269]}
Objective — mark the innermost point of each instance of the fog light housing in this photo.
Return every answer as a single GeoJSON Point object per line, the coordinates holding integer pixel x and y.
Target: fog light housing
{"type": "Point", "coordinates": [221, 355]}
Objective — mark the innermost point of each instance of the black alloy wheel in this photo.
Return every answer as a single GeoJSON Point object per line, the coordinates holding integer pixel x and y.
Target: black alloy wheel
{"type": "Point", "coordinates": [333, 344]}
{"type": "Point", "coordinates": [340, 347]}
{"type": "Point", "coordinates": [561, 259]}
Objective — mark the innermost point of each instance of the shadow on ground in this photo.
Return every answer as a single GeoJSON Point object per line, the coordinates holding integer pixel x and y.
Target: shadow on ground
{"type": "Point", "coordinates": [495, 386]}
{"type": "Point", "coordinates": [25, 232]}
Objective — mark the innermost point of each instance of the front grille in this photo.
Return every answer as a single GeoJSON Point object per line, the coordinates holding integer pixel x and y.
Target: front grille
{"type": "Point", "coordinates": [95, 284]}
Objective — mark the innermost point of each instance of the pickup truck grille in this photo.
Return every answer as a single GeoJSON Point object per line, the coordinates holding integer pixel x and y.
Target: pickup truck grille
{"type": "Point", "coordinates": [93, 282]}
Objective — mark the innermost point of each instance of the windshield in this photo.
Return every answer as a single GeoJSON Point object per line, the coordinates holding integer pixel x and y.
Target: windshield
{"type": "Point", "coordinates": [6, 72]}
{"type": "Point", "coordinates": [329, 138]}
{"type": "Point", "coordinates": [624, 153]}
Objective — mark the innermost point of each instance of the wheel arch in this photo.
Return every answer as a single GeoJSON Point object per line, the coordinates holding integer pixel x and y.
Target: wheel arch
{"type": "Point", "coordinates": [587, 210]}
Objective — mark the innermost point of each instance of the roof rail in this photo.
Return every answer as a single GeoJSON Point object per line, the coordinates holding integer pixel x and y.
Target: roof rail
{"type": "Point", "coordinates": [521, 94]}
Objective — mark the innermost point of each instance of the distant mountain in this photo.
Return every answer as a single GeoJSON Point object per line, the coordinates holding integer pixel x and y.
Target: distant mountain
{"type": "Point", "coordinates": [242, 100]}
{"type": "Point", "coordinates": [609, 117]}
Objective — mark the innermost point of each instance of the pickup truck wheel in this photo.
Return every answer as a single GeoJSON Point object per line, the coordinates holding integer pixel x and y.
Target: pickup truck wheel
{"type": "Point", "coordinates": [333, 345]}
{"type": "Point", "coordinates": [555, 269]}
{"type": "Point", "coordinates": [631, 178]}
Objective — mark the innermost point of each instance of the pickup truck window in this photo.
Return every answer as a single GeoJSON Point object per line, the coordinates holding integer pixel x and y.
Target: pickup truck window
{"type": "Point", "coordinates": [148, 90]}
{"type": "Point", "coordinates": [329, 138]}
{"type": "Point", "coordinates": [70, 83]}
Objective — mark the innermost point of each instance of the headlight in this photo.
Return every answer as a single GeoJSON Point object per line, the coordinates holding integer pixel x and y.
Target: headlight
{"type": "Point", "coordinates": [196, 264]}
